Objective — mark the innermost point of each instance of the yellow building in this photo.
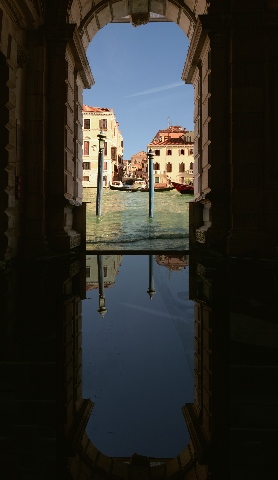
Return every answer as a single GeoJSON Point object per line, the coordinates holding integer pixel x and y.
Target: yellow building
{"type": "Point", "coordinates": [173, 154]}
{"type": "Point", "coordinates": [96, 119]}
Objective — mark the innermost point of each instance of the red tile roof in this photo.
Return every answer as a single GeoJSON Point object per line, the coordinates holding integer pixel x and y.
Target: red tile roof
{"type": "Point", "coordinates": [170, 141]}
{"type": "Point", "coordinates": [173, 129]}
{"type": "Point", "coordinates": [87, 108]}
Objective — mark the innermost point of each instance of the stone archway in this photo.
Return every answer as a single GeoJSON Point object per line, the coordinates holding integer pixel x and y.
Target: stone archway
{"type": "Point", "coordinates": [88, 22]}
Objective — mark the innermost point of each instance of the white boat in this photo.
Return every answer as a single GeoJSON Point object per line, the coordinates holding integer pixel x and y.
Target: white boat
{"type": "Point", "coordinates": [116, 185]}
{"type": "Point", "coordinates": [122, 187]}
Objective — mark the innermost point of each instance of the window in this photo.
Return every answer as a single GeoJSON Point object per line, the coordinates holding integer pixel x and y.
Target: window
{"type": "Point", "coordinates": [104, 165]}
{"type": "Point", "coordinates": [86, 166]}
{"type": "Point", "coordinates": [156, 166]}
{"type": "Point", "coordinates": [105, 148]}
{"type": "Point", "coordinates": [156, 179]}
{"type": "Point", "coordinates": [86, 147]}
{"type": "Point", "coordinates": [169, 152]}
{"type": "Point", "coordinates": [191, 151]}
{"type": "Point", "coordinates": [88, 272]}
{"type": "Point", "coordinates": [157, 152]}
{"type": "Point", "coordinates": [86, 178]}
{"type": "Point", "coordinates": [105, 271]}
{"type": "Point", "coordinates": [87, 123]}
{"type": "Point", "coordinates": [182, 152]}
{"type": "Point", "coordinates": [181, 167]}
{"type": "Point", "coordinates": [113, 153]}
{"type": "Point", "coordinates": [103, 124]}
{"type": "Point", "coordinates": [168, 167]}
{"type": "Point", "coordinates": [191, 166]}
{"type": "Point", "coordinates": [188, 139]}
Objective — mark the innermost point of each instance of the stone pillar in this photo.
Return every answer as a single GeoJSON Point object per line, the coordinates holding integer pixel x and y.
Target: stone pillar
{"type": "Point", "coordinates": [232, 63]}
{"type": "Point", "coordinates": [254, 94]}
{"type": "Point", "coordinates": [8, 157]}
{"type": "Point", "coordinates": [33, 234]}
{"type": "Point", "coordinates": [69, 73]}
{"type": "Point", "coordinates": [207, 69]}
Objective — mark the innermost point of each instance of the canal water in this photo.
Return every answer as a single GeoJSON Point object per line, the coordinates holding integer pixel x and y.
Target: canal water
{"type": "Point", "coordinates": [125, 223]}
{"type": "Point", "coordinates": [137, 360]}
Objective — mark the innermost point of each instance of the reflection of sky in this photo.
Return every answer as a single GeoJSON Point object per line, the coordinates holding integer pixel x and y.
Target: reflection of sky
{"type": "Point", "coordinates": [138, 361]}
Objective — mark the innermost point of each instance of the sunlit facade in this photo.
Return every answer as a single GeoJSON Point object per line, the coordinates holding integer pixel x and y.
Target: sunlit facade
{"type": "Point", "coordinates": [173, 154]}
{"type": "Point", "coordinates": [96, 119]}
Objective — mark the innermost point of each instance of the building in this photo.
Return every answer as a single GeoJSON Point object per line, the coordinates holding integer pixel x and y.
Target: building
{"type": "Point", "coordinates": [138, 164]}
{"type": "Point", "coordinates": [96, 119]}
{"type": "Point", "coordinates": [111, 265]}
{"type": "Point", "coordinates": [173, 154]}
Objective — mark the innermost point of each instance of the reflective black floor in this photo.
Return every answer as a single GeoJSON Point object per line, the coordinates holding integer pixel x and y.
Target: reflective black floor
{"type": "Point", "coordinates": [46, 403]}
{"type": "Point", "coordinates": [137, 353]}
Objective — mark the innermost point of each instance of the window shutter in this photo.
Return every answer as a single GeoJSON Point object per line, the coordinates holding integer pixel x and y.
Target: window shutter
{"type": "Point", "coordinates": [103, 124]}
{"type": "Point", "coordinates": [86, 148]}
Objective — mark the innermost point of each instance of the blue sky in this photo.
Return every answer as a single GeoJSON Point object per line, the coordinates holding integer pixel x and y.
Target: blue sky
{"type": "Point", "coordinates": [137, 73]}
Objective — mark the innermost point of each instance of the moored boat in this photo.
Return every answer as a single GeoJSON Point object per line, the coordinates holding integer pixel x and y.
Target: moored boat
{"type": "Point", "coordinates": [158, 189]}
{"type": "Point", "coordinates": [140, 184]}
{"type": "Point", "coordinates": [122, 187]}
{"type": "Point", "coordinates": [183, 188]}
{"type": "Point", "coordinates": [116, 185]}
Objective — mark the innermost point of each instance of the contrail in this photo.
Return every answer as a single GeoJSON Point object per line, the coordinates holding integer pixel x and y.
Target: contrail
{"type": "Point", "coordinates": [157, 89]}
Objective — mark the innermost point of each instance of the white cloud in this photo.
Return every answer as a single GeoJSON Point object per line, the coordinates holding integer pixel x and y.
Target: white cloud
{"type": "Point", "coordinates": [157, 89]}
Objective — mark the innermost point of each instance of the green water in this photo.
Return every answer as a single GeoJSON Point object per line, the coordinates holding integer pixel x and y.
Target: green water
{"type": "Point", "coordinates": [125, 223]}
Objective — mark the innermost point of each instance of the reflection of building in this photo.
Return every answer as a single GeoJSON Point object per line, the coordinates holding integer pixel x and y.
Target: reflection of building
{"type": "Point", "coordinates": [173, 262]}
{"type": "Point", "coordinates": [96, 119]}
{"type": "Point", "coordinates": [173, 154]}
{"type": "Point", "coordinates": [111, 264]}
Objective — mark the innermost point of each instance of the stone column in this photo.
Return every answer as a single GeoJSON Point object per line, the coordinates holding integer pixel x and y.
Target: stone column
{"type": "Point", "coordinates": [33, 123]}
{"type": "Point", "coordinates": [69, 73]}
{"type": "Point", "coordinates": [8, 142]}
{"type": "Point", "coordinates": [207, 68]}
{"type": "Point", "coordinates": [254, 94]}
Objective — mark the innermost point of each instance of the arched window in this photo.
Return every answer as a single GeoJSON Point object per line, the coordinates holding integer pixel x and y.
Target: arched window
{"type": "Point", "coordinates": [182, 152]}
{"type": "Point", "coordinates": [191, 166]}
{"type": "Point", "coordinates": [181, 167]}
{"type": "Point", "coordinates": [156, 166]}
{"type": "Point", "coordinates": [168, 167]}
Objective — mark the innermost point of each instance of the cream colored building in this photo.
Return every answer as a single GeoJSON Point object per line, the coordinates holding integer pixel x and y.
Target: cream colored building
{"type": "Point", "coordinates": [96, 119]}
{"type": "Point", "coordinates": [173, 154]}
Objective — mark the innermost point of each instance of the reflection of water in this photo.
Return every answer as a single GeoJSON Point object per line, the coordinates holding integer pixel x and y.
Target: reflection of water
{"type": "Point", "coordinates": [138, 359]}
{"type": "Point", "coordinates": [125, 222]}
